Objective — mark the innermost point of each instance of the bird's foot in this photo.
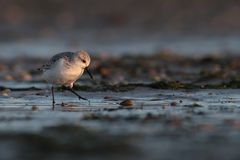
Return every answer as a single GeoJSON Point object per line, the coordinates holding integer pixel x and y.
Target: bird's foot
{"type": "Point", "coordinates": [80, 97]}
{"type": "Point", "coordinates": [84, 99]}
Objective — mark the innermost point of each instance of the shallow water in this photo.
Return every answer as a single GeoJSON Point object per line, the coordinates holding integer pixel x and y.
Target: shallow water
{"type": "Point", "coordinates": [159, 123]}
{"type": "Point", "coordinates": [120, 43]}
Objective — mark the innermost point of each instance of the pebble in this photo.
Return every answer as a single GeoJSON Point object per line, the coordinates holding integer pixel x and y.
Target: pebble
{"type": "Point", "coordinates": [104, 72]}
{"type": "Point", "coordinates": [5, 92]}
{"type": "Point", "coordinates": [127, 103]}
{"type": "Point", "coordinates": [34, 108]}
{"type": "Point", "coordinates": [173, 104]}
{"type": "Point", "coordinates": [8, 77]}
{"type": "Point", "coordinates": [25, 76]}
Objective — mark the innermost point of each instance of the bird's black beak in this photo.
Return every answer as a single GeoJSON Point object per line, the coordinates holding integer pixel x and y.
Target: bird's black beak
{"type": "Point", "coordinates": [89, 73]}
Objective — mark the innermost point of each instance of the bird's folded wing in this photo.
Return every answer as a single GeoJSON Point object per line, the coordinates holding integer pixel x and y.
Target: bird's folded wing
{"type": "Point", "coordinates": [66, 55]}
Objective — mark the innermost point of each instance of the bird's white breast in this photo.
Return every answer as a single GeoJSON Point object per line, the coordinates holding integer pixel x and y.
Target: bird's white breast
{"type": "Point", "coordinates": [62, 74]}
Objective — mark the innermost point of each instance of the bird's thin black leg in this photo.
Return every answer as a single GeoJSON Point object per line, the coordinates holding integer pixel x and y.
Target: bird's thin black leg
{"type": "Point", "coordinates": [75, 93]}
{"type": "Point", "coordinates": [80, 97]}
{"type": "Point", "coordinates": [53, 99]}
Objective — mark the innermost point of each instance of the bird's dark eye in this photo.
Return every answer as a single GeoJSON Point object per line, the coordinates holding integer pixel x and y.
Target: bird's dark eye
{"type": "Point", "coordinates": [83, 60]}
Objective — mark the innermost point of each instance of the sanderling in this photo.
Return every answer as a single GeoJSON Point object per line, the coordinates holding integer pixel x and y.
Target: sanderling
{"type": "Point", "coordinates": [64, 69]}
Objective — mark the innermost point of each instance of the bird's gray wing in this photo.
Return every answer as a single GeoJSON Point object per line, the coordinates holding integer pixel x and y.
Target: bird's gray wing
{"type": "Point", "coordinates": [66, 55]}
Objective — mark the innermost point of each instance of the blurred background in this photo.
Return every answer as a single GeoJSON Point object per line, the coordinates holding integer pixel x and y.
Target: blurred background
{"type": "Point", "coordinates": [192, 27]}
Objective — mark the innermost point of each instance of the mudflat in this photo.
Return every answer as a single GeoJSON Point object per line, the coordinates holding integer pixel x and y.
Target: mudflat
{"type": "Point", "coordinates": [141, 107]}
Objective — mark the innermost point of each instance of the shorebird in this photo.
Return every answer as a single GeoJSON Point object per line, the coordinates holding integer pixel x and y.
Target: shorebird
{"type": "Point", "coordinates": [64, 69]}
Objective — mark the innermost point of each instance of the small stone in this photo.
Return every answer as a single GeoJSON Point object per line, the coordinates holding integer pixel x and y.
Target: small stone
{"type": "Point", "coordinates": [34, 108]}
{"type": "Point", "coordinates": [104, 72]}
{"type": "Point", "coordinates": [127, 102]}
{"type": "Point", "coordinates": [8, 77]}
{"type": "Point", "coordinates": [25, 76]}
{"type": "Point", "coordinates": [5, 92]}
{"type": "Point", "coordinates": [108, 97]}
{"type": "Point", "coordinates": [194, 105]}
{"type": "Point", "coordinates": [173, 104]}
{"type": "Point", "coordinates": [111, 98]}
{"type": "Point", "coordinates": [156, 78]}
{"type": "Point", "coordinates": [40, 93]}
{"type": "Point", "coordinates": [164, 107]}
{"type": "Point", "coordinates": [3, 68]}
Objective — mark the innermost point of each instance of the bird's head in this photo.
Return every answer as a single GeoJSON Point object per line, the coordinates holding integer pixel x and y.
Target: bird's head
{"type": "Point", "coordinates": [83, 59]}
